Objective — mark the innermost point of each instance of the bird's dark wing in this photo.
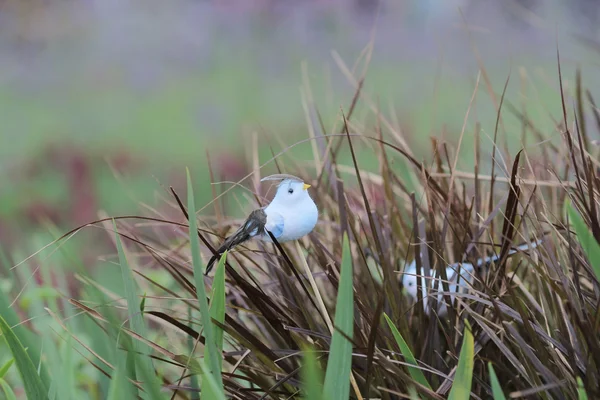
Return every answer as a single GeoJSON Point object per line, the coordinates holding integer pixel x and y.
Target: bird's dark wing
{"type": "Point", "coordinates": [254, 225]}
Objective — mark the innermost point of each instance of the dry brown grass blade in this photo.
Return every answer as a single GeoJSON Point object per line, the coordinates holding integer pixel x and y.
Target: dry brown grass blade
{"type": "Point", "coordinates": [494, 145]}
{"type": "Point", "coordinates": [510, 215]}
{"type": "Point", "coordinates": [389, 287]}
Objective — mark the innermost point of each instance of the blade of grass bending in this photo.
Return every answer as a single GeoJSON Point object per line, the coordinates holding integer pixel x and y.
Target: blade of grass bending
{"type": "Point", "coordinates": [6, 367]}
{"type": "Point", "coordinates": [415, 373]}
{"type": "Point", "coordinates": [339, 365]}
{"type": "Point", "coordinates": [584, 236]}
{"type": "Point", "coordinates": [461, 388]}
{"type": "Point", "coordinates": [213, 366]}
{"type": "Point", "coordinates": [217, 313]}
{"type": "Point", "coordinates": [136, 322]}
{"type": "Point", "coordinates": [311, 375]}
{"type": "Point", "coordinates": [496, 388]}
{"type": "Point", "coordinates": [581, 394]}
{"type": "Point", "coordinates": [34, 387]}
{"type": "Point", "coordinates": [8, 392]}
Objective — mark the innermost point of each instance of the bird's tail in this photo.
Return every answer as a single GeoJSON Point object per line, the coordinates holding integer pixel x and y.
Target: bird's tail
{"type": "Point", "coordinates": [237, 238]}
{"type": "Point", "coordinates": [218, 253]}
{"type": "Point", "coordinates": [522, 247]}
{"type": "Point", "coordinates": [210, 264]}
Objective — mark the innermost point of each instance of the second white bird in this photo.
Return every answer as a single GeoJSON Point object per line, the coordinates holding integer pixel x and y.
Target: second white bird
{"type": "Point", "coordinates": [456, 283]}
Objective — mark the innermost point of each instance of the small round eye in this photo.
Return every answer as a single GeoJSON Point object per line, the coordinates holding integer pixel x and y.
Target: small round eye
{"type": "Point", "coordinates": [290, 190]}
{"type": "Point", "coordinates": [410, 283]}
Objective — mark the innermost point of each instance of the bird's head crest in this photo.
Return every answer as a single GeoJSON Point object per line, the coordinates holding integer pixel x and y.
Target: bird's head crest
{"type": "Point", "coordinates": [281, 177]}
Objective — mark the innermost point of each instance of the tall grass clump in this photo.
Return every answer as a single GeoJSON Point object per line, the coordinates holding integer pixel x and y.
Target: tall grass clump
{"type": "Point", "coordinates": [327, 317]}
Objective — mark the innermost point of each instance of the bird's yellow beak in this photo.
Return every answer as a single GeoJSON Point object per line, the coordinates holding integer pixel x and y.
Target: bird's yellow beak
{"type": "Point", "coordinates": [306, 186]}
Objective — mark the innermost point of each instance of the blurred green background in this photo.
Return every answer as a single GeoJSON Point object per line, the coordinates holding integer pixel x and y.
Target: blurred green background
{"type": "Point", "coordinates": [148, 87]}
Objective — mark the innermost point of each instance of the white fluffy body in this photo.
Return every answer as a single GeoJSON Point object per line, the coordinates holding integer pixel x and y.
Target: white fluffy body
{"type": "Point", "coordinates": [292, 213]}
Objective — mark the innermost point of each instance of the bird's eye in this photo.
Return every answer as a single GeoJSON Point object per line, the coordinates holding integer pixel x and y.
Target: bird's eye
{"type": "Point", "coordinates": [290, 190]}
{"type": "Point", "coordinates": [410, 283]}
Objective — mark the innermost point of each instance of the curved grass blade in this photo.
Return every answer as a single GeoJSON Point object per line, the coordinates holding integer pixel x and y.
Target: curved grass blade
{"type": "Point", "coordinates": [461, 388]}
{"type": "Point", "coordinates": [584, 236]}
{"type": "Point", "coordinates": [34, 387]}
{"type": "Point", "coordinates": [311, 376]}
{"type": "Point", "coordinates": [8, 392]}
{"type": "Point", "coordinates": [339, 365]}
{"type": "Point", "coordinates": [6, 367]}
{"type": "Point", "coordinates": [213, 365]}
{"type": "Point", "coordinates": [496, 389]}
{"type": "Point", "coordinates": [415, 373]}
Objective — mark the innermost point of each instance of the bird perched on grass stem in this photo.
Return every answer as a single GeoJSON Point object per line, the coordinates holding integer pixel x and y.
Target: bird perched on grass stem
{"type": "Point", "coordinates": [291, 215]}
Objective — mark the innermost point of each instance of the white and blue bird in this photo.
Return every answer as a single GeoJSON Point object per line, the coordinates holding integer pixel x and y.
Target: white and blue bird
{"type": "Point", "coordinates": [456, 283]}
{"type": "Point", "coordinates": [291, 215]}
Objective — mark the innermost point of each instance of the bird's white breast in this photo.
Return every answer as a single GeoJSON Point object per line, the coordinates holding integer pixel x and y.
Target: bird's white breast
{"type": "Point", "coordinates": [298, 219]}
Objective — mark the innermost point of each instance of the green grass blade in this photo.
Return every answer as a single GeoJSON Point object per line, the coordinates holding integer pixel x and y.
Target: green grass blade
{"type": "Point", "coordinates": [339, 365]}
{"type": "Point", "coordinates": [217, 304]}
{"type": "Point", "coordinates": [461, 388]}
{"type": "Point", "coordinates": [8, 392]}
{"type": "Point", "coordinates": [311, 376]}
{"type": "Point", "coordinates": [496, 389]}
{"type": "Point", "coordinates": [119, 384]}
{"type": "Point", "coordinates": [217, 313]}
{"type": "Point", "coordinates": [209, 381]}
{"type": "Point", "coordinates": [151, 379]}
{"type": "Point", "coordinates": [6, 367]}
{"type": "Point", "coordinates": [581, 394]}
{"type": "Point", "coordinates": [414, 372]}
{"type": "Point", "coordinates": [191, 342]}
{"type": "Point", "coordinates": [34, 387]}
{"type": "Point", "coordinates": [137, 324]}
{"type": "Point", "coordinates": [201, 293]}
{"type": "Point", "coordinates": [584, 236]}
{"type": "Point", "coordinates": [412, 392]}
